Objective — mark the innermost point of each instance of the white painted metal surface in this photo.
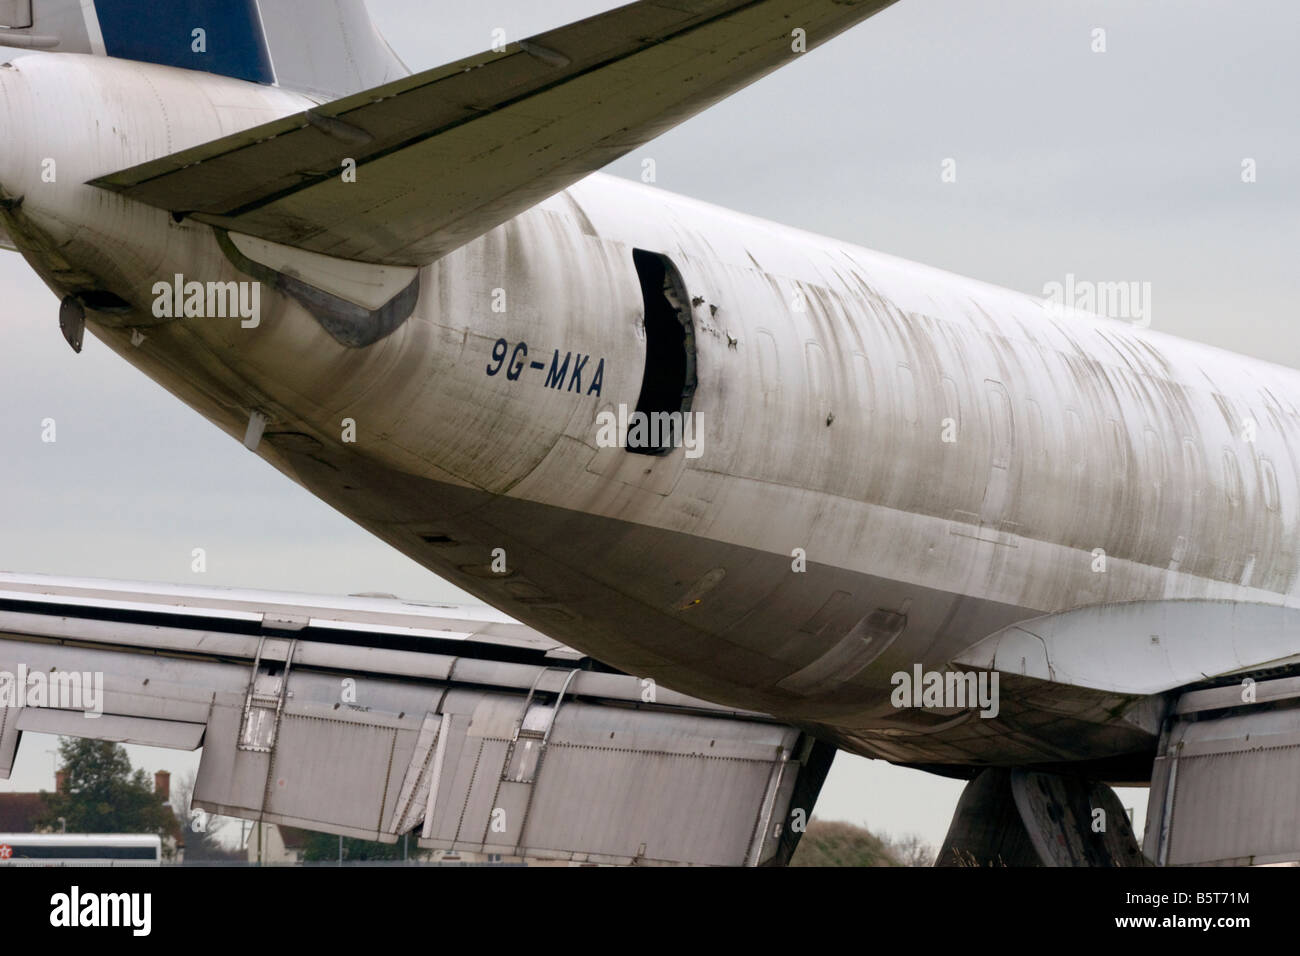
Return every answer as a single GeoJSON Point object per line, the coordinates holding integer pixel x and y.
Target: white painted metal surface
{"type": "Point", "coordinates": [1145, 647]}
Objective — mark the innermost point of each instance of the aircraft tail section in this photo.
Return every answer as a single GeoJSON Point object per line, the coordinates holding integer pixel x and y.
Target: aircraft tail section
{"type": "Point", "coordinates": [327, 47]}
{"type": "Point", "coordinates": [404, 173]}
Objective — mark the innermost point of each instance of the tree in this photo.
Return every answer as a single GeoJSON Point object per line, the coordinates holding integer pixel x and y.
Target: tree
{"type": "Point", "coordinates": [202, 830]}
{"type": "Point", "coordinates": [324, 847]}
{"type": "Point", "coordinates": [836, 843]}
{"type": "Point", "coordinates": [911, 850]}
{"type": "Point", "coordinates": [102, 795]}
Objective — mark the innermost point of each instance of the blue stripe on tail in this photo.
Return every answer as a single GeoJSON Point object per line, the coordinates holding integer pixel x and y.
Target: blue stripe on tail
{"type": "Point", "coordinates": [231, 41]}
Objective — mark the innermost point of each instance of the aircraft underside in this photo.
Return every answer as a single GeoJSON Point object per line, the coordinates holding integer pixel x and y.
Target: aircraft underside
{"type": "Point", "coordinates": [593, 583]}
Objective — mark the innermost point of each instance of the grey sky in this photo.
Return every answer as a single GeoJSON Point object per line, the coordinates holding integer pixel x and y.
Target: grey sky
{"type": "Point", "coordinates": [1123, 165]}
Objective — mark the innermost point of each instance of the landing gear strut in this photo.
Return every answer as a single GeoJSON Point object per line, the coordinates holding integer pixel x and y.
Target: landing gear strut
{"type": "Point", "coordinates": [1025, 818]}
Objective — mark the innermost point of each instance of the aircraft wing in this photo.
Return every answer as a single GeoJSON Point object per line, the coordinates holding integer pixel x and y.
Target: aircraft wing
{"type": "Point", "coordinates": [1216, 680]}
{"type": "Point", "coordinates": [448, 154]}
{"type": "Point", "coordinates": [373, 717]}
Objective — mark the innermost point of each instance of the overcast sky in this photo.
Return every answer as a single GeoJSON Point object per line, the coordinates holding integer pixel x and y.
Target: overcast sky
{"type": "Point", "coordinates": [1111, 166]}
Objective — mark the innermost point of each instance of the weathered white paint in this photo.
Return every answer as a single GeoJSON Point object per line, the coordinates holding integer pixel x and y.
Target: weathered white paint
{"type": "Point", "coordinates": [1113, 437]}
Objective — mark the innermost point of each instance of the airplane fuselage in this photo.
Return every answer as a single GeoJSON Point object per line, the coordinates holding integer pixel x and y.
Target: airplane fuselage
{"type": "Point", "coordinates": [893, 462]}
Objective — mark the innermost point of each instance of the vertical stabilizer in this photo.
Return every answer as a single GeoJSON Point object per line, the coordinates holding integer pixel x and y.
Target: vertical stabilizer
{"type": "Point", "coordinates": [326, 47]}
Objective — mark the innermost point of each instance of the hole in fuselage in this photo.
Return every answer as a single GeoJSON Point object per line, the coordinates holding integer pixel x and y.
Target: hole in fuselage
{"type": "Point", "coordinates": [669, 380]}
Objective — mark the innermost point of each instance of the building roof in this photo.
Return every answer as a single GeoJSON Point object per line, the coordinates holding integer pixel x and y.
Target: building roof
{"type": "Point", "coordinates": [20, 811]}
{"type": "Point", "coordinates": [295, 838]}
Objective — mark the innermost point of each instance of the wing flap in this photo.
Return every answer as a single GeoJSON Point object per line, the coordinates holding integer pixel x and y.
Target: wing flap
{"type": "Point", "coordinates": [1143, 647]}
{"type": "Point", "coordinates": [399, 727]}
{"type": "Point", "coordinates": [446, 155]}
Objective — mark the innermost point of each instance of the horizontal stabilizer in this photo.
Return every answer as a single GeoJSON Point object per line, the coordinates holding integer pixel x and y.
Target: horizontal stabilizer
{"type": "Point", "coordinates": [408, 171]}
